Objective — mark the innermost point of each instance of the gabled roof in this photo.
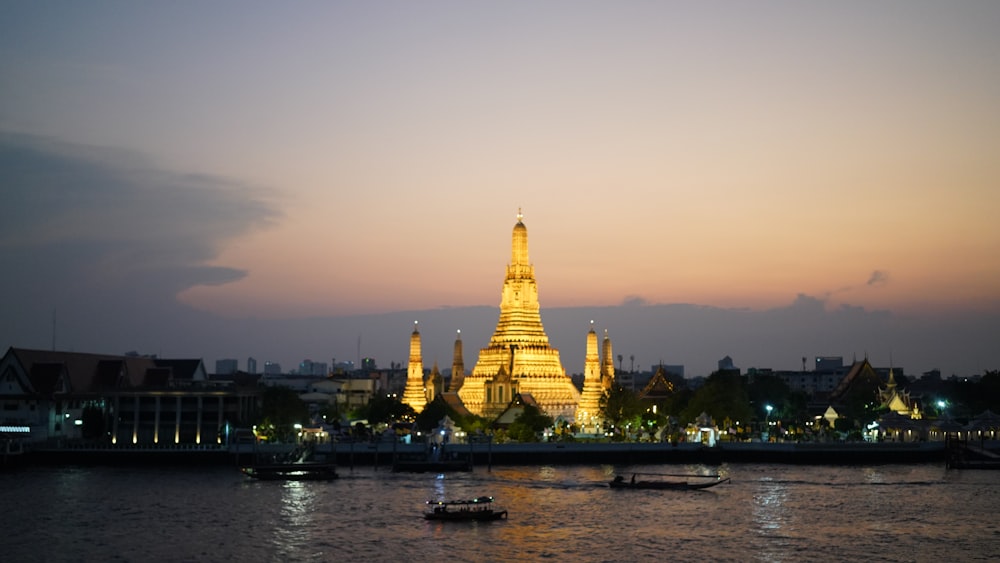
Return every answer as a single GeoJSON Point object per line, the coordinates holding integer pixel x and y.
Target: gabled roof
{"type": "Point", "coordinates": [158, 377]}
{"type": "Point", "coordinates": [859, 371]}
{"type": "Point", "coordinates": [84, 373]}
{"type": "Point", "coordinates": [452, 399]}
{"type": "Point", "coordinates": [48, 378]}
{"type": "Point", "coordinates": [110, 374]}
{"type": "Point", "coordinates": [515, 408]}
{"type": "Point", "coordinates": [74, 372]}
{"type": "Point", "coordinates": [658, 387]}
{"type": "Point", "coordinates": [189, 370]}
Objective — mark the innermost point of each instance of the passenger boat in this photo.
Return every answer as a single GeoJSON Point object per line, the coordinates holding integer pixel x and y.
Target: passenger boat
{"type": "Point", "coordinates": [682, 482]}
{"type": "Point", "coordinates": [292, 472]}
{"type": "Point", "coordinates": [477, 509]}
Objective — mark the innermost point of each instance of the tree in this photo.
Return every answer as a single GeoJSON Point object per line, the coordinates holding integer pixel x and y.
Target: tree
{"type": "Point", "coordinates": [772, 390]}
{"type": "Point", "coordinates": [861, 400]}
{"type": "Point", "coordinates": [528, 424]}
{"type": "Point", "coordinates": [385, 409]}
{"type": "Point", "coordinates": [280, 409]}
{"type": "Point", "coordinates": [619, 405]}
{"type": "Point", "coordinates": [723, 395]}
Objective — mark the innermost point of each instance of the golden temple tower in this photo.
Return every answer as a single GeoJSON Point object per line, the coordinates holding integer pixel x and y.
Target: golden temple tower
{"type": "Point", "coordinates": [413, 394]}
{"type": "Point", "coordinates": [434, 385]}
{"type": "Point", "coordinates": [587, 414]}
{"type": "Point", "coordinates": [608, 364]}
{"type": "Point", "coordinates": [457, 366]}
{"type": "Point", "coordinates": [519, 358]}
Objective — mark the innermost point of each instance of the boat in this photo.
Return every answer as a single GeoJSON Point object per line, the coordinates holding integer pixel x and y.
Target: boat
{"type": "Point", "coordinates": [477, 509]}
{"type": "Point", "coordinates": [292, 472]}
{"type": "Point", "coordinates": [681, 482]}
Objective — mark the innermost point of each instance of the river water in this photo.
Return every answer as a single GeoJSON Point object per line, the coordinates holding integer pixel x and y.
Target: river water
{"type": "Point", "coordinates": [767, 513]}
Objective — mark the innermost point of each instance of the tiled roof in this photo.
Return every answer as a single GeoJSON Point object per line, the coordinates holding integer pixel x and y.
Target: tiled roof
{"type": "Point", "coordinates": [85, 372]}
{"type": "Point", "coordinates": [182, 369]}
{"type": "Point", "coordinates": [76, 372]}
{"type": "Point", "coordinates": [45, 377]}
{"type": "Point", "coordinates": [452, 400]}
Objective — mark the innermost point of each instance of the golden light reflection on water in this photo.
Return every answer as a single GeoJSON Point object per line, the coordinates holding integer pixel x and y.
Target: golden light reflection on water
{"type": "Point", "coordinates": [769, 510]}
{"type": "Point", "coordinates": [768, 514]}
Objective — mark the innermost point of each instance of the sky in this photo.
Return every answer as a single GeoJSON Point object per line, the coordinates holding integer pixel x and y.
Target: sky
{"type": "Point", "coordinates": [766, 180]}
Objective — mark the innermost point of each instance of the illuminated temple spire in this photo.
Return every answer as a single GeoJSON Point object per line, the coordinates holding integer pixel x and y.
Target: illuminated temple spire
{"type": "Point", "coordinates": [413, 394]}
{"type": "Point", "coordinates": [519, 358]}
{"type": "Point", "coordinates": [457, 366]}
{"type": "Point", "coordinates": [587, 414]}
{"type": "Point", "coordinates": [607, 364]}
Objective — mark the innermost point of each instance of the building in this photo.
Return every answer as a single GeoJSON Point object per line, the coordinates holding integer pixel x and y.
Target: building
{"type": "Point", "coordinates": [119, 400]}
{"type": "Point", "coordinates": [414, 393]}
{"type": "Point", "coordinates": [309, 367]}
{"type": "Point", "coordinates": [457, 366]}
{"type": "Point", "coordinates": [598, 377]}
{"type": "Point", "coordinates": [226, 367]}
{"type": "Point", "coordinates": [518, 358]}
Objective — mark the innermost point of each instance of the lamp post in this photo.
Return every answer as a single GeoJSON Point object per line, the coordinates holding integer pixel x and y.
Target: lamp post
{"type": "Point", "coordinates": [767, 421]}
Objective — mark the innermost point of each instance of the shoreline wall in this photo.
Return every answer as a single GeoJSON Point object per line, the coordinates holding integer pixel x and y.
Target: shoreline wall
{"type": "Point", "coordinates": [549, 453]}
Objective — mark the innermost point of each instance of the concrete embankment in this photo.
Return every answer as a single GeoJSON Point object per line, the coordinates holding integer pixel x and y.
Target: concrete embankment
{"type": "Point", "coordinates": [556, 453]}
{"type": "Point", "coordinates": [550, 453]}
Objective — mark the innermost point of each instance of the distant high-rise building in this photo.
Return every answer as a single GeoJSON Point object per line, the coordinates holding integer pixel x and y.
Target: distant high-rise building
{"type": "Point", "coordinates": [368, 364]}
{"type": "Point", "coordinates": [309, 367]}
{"type": "Point", "coordinates": [829, 363]}
{"type": "Point", "coordinates": [677, 370]}
{"type": "Point", "coordinates": [251, 365]}
{"type": "Point", "coordinates": [726, 364]}
{"type": "Point", "coordinates": [272, 368]}
{"type": "Point", "coordinates": [226, 367]}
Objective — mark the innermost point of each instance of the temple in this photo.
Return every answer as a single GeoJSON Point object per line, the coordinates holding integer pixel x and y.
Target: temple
{"type": "Point", "coordinates": [587, 414]}
{"type": "Point", "coordinates": [414, 394]}
{"type": "Point", "coordinates": [519, 358]}
{"type": "Point", "coordinates": [457, 366]}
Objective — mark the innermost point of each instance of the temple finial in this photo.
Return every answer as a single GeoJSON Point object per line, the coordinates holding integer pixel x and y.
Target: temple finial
{"type": "Point", "coordinates": [519, 215]}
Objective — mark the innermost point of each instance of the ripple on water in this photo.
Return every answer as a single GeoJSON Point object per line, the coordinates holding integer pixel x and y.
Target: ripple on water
{"type": "Point", "coordinates": [767, 513]}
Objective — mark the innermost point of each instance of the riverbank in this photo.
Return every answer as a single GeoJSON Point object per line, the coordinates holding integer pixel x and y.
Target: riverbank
{"type": "Point", "coordinates": [484, 454]}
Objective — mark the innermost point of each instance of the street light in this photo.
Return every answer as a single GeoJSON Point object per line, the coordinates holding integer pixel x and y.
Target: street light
{"type": "Point", "coordinates": [767, 421]}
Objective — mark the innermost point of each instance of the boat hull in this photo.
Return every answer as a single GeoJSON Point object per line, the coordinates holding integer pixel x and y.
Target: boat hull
{"type": "Point", "coordinates": [664, 485]}
{"type": "Point", "coordinates": [292, 472]}
{"type": "Point", "coordinates": [469, 516]}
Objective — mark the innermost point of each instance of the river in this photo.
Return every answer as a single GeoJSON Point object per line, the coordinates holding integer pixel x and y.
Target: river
{"type": "Point", "coordinates": [768, 513]}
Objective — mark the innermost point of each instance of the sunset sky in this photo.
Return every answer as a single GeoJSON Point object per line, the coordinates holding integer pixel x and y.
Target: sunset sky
{"type": "Point", "coordinates": [265, 160]}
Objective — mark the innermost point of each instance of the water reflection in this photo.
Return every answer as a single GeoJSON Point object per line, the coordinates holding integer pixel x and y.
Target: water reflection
{"type": "Point", "coordinates": [295, 526]}
{"type": "Point", "coordinates": [767, 513]}
{"type": "Point", "coordinates": [769, 510]}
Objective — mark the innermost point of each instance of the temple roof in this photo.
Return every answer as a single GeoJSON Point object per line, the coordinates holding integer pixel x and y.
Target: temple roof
{"type": "Point", "coordinates": [658, 387]}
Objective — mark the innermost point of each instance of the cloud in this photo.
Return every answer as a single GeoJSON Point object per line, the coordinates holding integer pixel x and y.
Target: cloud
{"type": "Point", "coordinates": [103, 233]}
{"type": "Point", "coordinates": [634, 301]}
{"type": "Point", "coordinates": [878, 277]}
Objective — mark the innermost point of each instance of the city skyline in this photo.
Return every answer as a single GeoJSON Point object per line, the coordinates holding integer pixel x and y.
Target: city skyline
{"type": "Point", "coordinates": [183, 180]}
